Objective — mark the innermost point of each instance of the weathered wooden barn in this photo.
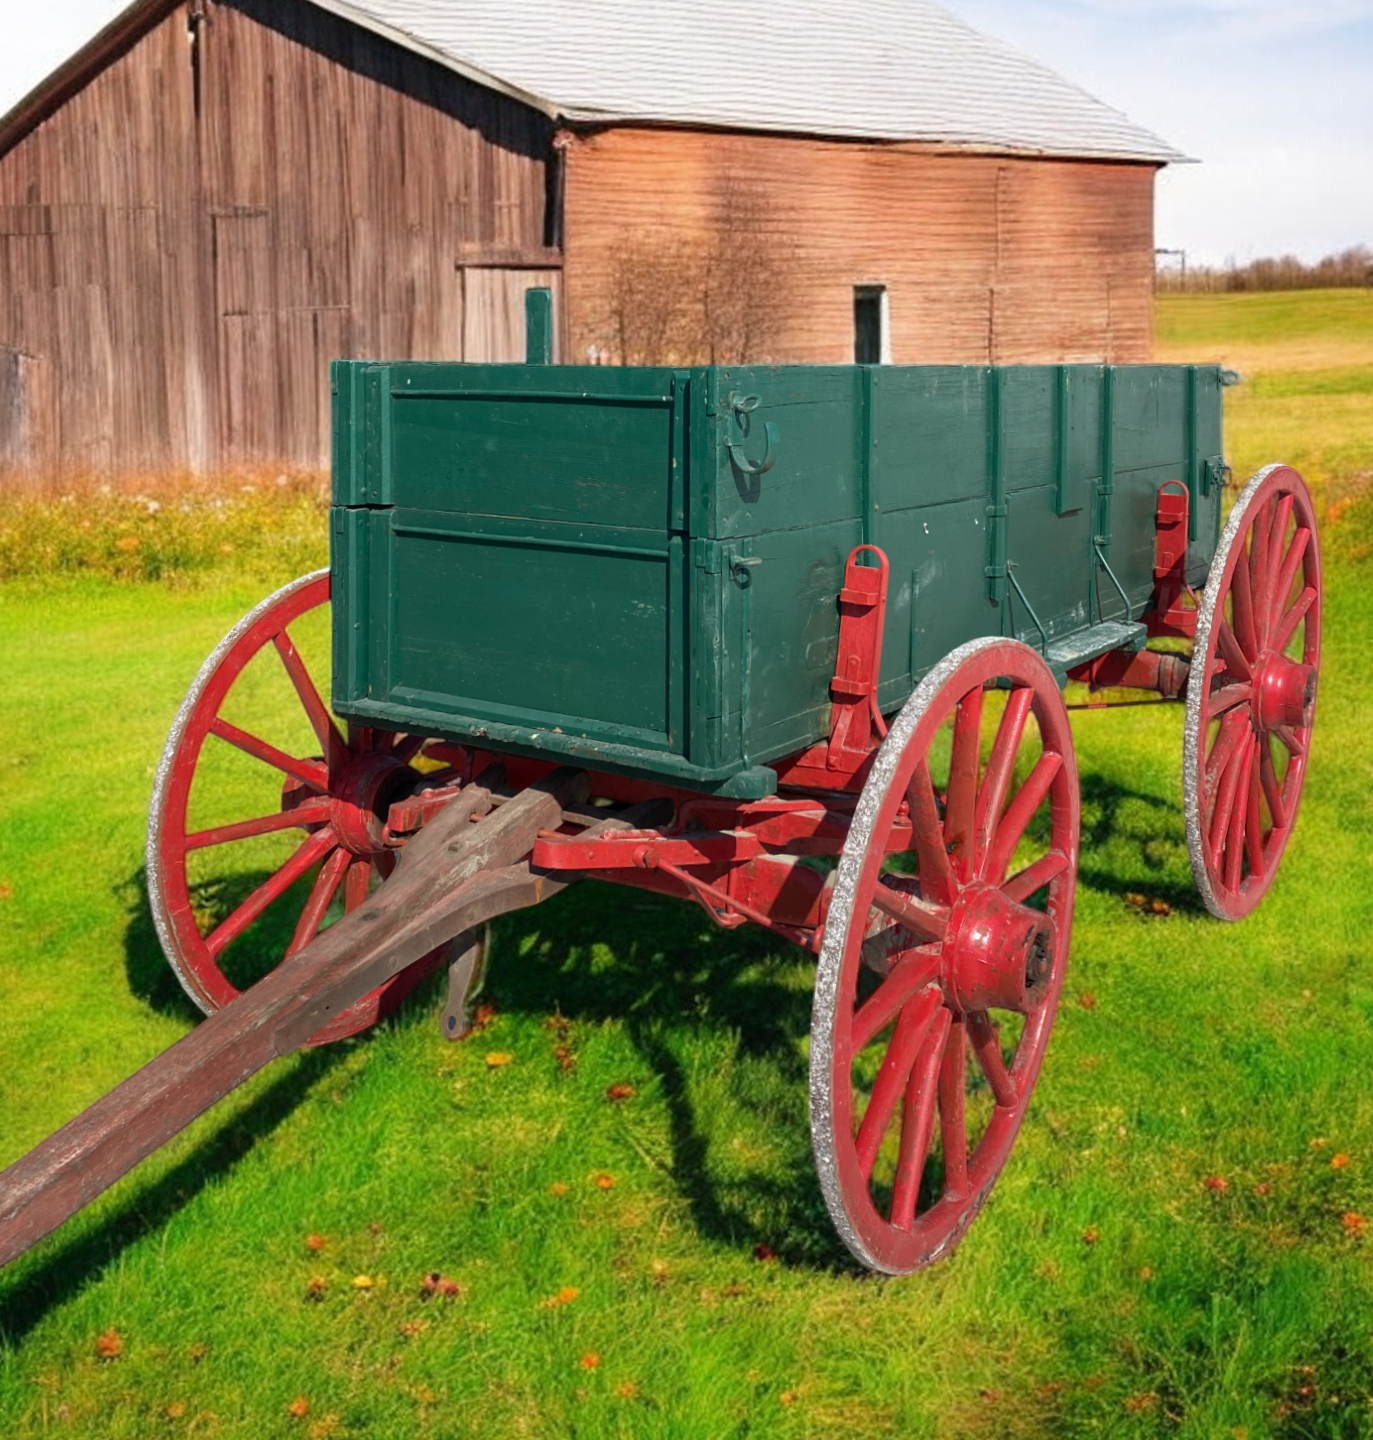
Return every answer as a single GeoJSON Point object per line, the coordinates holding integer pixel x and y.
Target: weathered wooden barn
{"type": "Point", "coordinates": [216, 197]}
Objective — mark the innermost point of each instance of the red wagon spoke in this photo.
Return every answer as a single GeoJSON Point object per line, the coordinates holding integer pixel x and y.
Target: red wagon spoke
{"type": "Point", "coordinates": [1239, 810]}
{"type": "Point", "coordinates": [1272, 793]}
{"type": "Point", "coordinates": [1289, 737]}
{"type": "Point", "coordinates": [924, 920]}
{"type": "Point", "coordinates": [1232, 729]}
{"type": "Point", "coordinates": [1287, 626]}
{"type": "Point", "coordinates": [1226, 698]}
{"type": "Point", "coordinates": [1257, 570]}
{"type": "Point", "coordinates": [917, 1122]}
{"type": "Point", "coordinates": [962, 792]}
{"type": "Point", "coordinates": [911, 1029]}
{"type": "Point", "coordinates": [355, 884]}
{"type": "Point", "coordinates": [310, 850]}
{"type": "Point", "coordinates": [1019, 813]}
{"type": "Point", "coordinates": [1022, 886]}
{"type": "Point", "coordinates": [1277, 541]}
{"type": "Point", "coordinates": [312, 812]}
{"type": "Point", "coordinates": [1235, 660]}
{"type": "Point", "coordinates": [986, 1043]}
{"type": "Point", "coordinates": [321, 722]}
{"type": "Point", "coordinates": [927, 838]}
{"type": "Point", "coordinates": [1253, 818]}
{"type": "Point", "coordinates": [992, 796]}
{"type": "Point", "coordinates": [909, 975]}
{"type": "Point", "coordinates": [321, 897]}
{"type": "Point", "coordinates": [1282, 588]}
{"type": "Point", "coordinates": [1244, 624]}
{"type": "Point", "coordinates": [309, 772]}
{"type": "Point", "coordinates": [953, 1128]}
{"type": "Point", "coordinates": [1225, 800]}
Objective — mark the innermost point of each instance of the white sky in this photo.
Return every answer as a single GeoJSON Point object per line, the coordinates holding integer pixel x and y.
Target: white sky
{"type": "Point", "coordinates": [1275, 97]}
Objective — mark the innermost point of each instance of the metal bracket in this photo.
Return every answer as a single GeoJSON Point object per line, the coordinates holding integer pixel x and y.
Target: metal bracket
{"type": "Point", "coordinates": [744, 405]}
{"type": "Point", "coordinates": [466, 971]}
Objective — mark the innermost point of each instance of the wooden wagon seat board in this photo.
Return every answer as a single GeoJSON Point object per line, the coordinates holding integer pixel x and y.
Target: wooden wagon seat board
{"type": "Point", "coordinates": [637, 568]}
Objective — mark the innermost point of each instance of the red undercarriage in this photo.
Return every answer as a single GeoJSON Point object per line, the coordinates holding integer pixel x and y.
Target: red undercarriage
{"type": "Point", "coordinates": [742, 860]}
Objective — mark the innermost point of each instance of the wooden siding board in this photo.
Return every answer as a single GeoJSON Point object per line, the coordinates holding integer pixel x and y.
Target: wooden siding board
{"type": "Point", "coordinates": [985, 258]}
{"type": "Point", "coordinates": [180, 261]}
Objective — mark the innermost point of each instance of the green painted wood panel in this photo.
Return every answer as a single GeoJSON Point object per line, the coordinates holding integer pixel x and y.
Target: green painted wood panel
{"type": "Point", "coordinates": [638, 568]}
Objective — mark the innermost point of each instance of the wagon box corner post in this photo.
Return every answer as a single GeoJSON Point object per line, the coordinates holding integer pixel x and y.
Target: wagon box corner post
{"type": "Point", "coordinates": [787, 643]}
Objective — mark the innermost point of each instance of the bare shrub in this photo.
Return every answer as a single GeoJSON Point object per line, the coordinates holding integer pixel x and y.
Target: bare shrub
{"type": "Point", "coordinates": [1349, 269]}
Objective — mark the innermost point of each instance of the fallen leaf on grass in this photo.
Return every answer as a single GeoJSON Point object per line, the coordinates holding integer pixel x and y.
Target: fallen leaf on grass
{"type": "Point", "coordinates": [197, 1353]}
{"type": "Point", "coordinates": [316, 1242]}
{"type": "Point", "coordinates": [1146, 1272]}
{"type": "Point", "coordinates": [1087, 1000]}
{"type": "Point", "coordinates": [483, 1015]}
{"type": "Point", "coordinates": [1091, 1235]}
{"type": "Point", "coordinates": [787, 1397]}
{"type": "Point", "coordinates": [604, 1181]}
{"type": "Point", "coordinates": [363, 1282]}
{"type": "Point", "coordinates": [1338, 1162]}
{"type": "Point", "coordinates": [499, 1058]}
{"type": "Point", "coordinates": [590, 1361]}
{"type": "Point", "coordinates": [324, 1428]}
{"type": "Point", "coordinates": [299, 1408]}
{"type": "Point", "coordinates": [1146, 1400]}
{"type": "Point", "coordinates": [110, 1344]}
{"type": "Point", "coordinates": [411, 1328]}
{"type": "Point", "coordinates": [566, 1059]}
{"type": "Point", "coordinates": [626, 1390]}
{"type": "Point", "coordinates": [174, 1411]}
{"type": "Point", "coordinates": [620, 1091]}
{"type": "Point", "coordinates": [1354, 1223]}
{"type": "Point", "coordinates": [1216, 1184]}
{"type": "Point", "coordinates": [1148, 904]}
{"type": "Point", "coordinates": [6, 892]}
{"type": "Point", "coordinates": [1262, 1188]}
{"type": "Point", "coordinates": [764, 1253]}
{"type": "Point", "coordinates": [565, 1296]}
{"type": "Point", "coordinates": [437, 1284]}
{"type": "Point", "coordinates": [558, 1189]}
{"type": "Point", "coordinates": [316, 1288]}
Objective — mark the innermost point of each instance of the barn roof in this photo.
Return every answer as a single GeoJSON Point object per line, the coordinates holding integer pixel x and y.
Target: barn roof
{"type": "Point", "coordinates": [871, 69]}
{"type": "Point", "coordinates": [896, 70]}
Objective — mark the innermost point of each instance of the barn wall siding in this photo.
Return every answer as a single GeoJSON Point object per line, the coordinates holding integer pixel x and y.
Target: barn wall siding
{"type": "Point", "coordinates": [236, 201]}
{"type": "Point", "coordinates": [985, 258]}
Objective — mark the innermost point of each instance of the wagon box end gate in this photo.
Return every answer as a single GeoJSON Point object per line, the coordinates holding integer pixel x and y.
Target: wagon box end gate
{"type": "Point", "coordinates": [788, 643]}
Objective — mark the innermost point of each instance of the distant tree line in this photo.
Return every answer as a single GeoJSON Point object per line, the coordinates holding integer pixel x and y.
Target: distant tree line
{"type": "Point", "coordinates": [1350, 269]}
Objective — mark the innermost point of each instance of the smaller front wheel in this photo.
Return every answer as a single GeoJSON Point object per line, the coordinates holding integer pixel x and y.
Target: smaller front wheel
{"type": "Point", "coordinates": [943, 955]}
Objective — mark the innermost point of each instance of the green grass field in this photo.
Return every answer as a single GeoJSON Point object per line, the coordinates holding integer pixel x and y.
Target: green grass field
{"type": "Point", "coordinates": [1176, 1248]}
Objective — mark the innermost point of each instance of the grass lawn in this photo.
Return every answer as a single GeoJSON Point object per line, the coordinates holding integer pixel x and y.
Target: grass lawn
{"type": "Point", "coordinates": [1176, 1248]}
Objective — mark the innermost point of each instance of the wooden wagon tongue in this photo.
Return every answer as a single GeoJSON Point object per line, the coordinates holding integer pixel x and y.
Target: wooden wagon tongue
{"type": "Point", "coordinates": [452, 876]}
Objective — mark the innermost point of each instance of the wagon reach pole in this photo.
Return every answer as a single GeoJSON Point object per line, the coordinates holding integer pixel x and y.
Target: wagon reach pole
{"type": "Point", "coordinates": [453, 875]}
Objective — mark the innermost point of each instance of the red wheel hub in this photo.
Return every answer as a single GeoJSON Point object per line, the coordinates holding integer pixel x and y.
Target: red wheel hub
{"type": "Point", "coordinates": [361, 796]}
{"type": "Point", "coordinates": [1286, 693]}
{"type": "Point", "coordinates": [997, 954]}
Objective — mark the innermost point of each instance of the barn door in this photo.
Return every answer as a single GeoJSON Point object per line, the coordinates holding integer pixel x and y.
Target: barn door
{"type": "Point", "coordinates": [493, 311]}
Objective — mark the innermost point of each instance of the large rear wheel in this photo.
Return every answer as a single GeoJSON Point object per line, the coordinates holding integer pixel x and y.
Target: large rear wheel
{"type": "Point", "coordinates": [943, 954]}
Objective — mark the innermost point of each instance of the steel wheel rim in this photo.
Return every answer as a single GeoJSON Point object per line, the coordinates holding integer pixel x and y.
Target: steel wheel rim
{"type": "Point", "coordinates": [186, 949]}
{"type": "Point", "coordinates": [871, 1236]}
{"type": "Point", "coordinates": [1232, 874]}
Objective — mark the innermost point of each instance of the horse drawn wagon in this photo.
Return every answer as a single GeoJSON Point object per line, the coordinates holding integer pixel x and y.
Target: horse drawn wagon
{"type": "Point", "coordinates": [785, 642]}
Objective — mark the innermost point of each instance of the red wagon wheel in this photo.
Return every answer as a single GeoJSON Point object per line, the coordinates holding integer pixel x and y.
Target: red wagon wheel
{"type": "Point", "coordinates": [939, 980]}
{"type": "Point", "coordinates": [1252, 692]}
{"type": "Point", "coordinates": [337, 790]}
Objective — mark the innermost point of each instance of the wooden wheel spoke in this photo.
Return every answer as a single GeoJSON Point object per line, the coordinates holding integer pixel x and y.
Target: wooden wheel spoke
{"type": "Point", "coordinates": [355, 884]}
{"type": "Point", "coordinates": [1226, 792]}
{"type": "Point", "coordinates": [986, 1042]}
{"type": "Point", "coordinates": [910, 1030]}
{"type": "Point", "coordinates": [1019, 813]}
{"type": "Point", "coordinates": [1232, 728]}
{"type": "Point", "coordinates": [321, 722]}
{"type": "Point", "coordinates": [321, 897]}
{"type": "Point", "coordinates": [924, 919]}
{"type": "Point", "coordinates": [1277, 537]}
{"type": "Point", "coordinates": [308, 772]}
{"type": "Point", "coordinates": [927, 838]}
{"type": "Point", "coordinates": [1239, 812]}
{"type": "Point", "coordinates": [910, 974]}
{"type": "Point", "coordinates": [1268, 776]}
{"type": "Point", "coordinates": [953, 1128]}
{"type": "Point", "coordinates": [311, 850]}
{"type": "Point", "coordinates": [1034, 877]}
{"type": "Point", "coordinates": [917, 1122]}
{"type": "Point", "coordinates": [1253, 819]}
{"type": "Point", "coordinates": [1258, 570]}
{"type": "Point", "coordinates": [1296, 746]}
{"type": "Point", "coordinates": [1287, 626]}
{"type": "Point", "coordinates": [1235, 660]}
{"type": "Point", "coordinates": [312, 812]}
{"type": "Point", "coordinates": [959, 809]}
{"type": "Point", "coordinates": [1226, 698]}
{"type": "Point", "coordinates": [1282, 588]}
{"type": "Point", "coordinates": [1242, 602]}
{"type": "Point", "coordinates": [991, 798]}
